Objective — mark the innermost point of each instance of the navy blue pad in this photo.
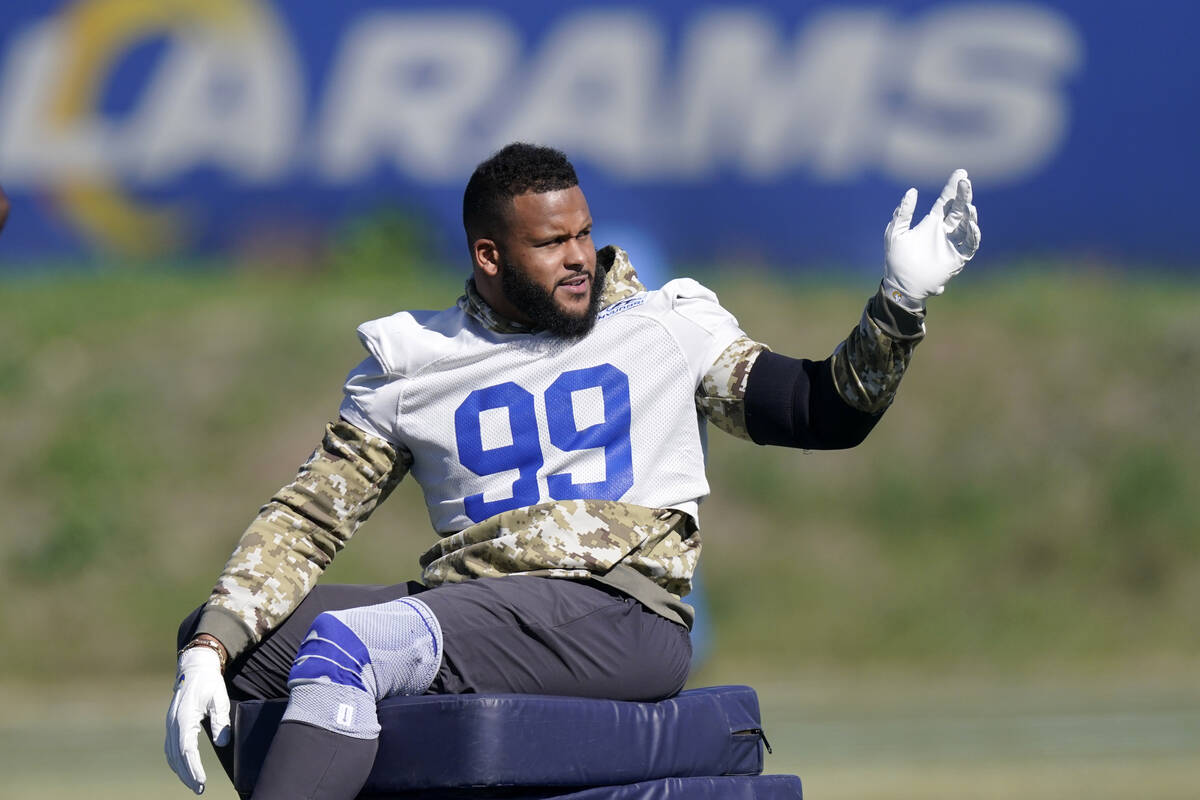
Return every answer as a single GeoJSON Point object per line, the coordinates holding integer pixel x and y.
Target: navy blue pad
{"type": "Point", "coordinates": [442, 741]}
{"type": "Point", "coordinates": [758, 787]}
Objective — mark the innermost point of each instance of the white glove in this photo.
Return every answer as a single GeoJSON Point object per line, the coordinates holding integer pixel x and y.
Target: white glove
{"type": "Point", "coordinates": [919, 261]}
{"type": "Point", "coordinates": [199, 693]}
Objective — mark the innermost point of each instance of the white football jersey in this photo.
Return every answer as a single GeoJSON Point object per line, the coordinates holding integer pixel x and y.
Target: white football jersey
{"type": "Point", "coordinates": [499, 421]}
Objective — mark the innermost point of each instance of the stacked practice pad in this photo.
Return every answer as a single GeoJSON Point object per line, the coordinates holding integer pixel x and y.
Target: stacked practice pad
{"type": "Point", "coordinates": [701, 744]}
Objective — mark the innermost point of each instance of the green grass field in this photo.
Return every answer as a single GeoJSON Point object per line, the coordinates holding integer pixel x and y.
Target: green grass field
{"type": "Point", "coordinates": [994, 596]}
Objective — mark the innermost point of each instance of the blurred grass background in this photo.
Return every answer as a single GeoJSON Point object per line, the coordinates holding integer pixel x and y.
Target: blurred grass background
{"type": "Point", "coordinates": [1017, 544]}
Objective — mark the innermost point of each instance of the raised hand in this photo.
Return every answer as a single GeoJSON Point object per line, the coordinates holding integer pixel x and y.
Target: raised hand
{"type": "Point", "coordinates": [919, 261]}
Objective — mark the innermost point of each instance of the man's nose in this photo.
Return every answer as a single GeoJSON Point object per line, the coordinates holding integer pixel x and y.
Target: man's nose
{"type": "Point", "coordinates": [575, 254]}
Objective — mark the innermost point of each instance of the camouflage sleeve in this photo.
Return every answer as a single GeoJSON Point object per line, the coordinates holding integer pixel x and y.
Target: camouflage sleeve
{"type": "Point", "coordinates": [722, 392]}
{"type": "Point", "coordinates": [296, 535]}
{"type": "Point", "coordinates": [868, 365]}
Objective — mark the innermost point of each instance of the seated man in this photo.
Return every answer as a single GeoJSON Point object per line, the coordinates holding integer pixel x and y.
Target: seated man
{"type": "Point", "coordinates": [553, 418]}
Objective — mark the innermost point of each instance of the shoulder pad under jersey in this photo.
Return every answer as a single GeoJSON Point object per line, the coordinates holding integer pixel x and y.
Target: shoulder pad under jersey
{"type": "Point", "coordinates": [403, 342]}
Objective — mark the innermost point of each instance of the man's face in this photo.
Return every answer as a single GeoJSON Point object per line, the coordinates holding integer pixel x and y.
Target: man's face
{"type": "Point", "coordinates": [548, 270]}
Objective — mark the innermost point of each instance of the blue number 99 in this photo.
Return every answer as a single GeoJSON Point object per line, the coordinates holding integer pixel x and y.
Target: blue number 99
{"type": "Point", "coordinates": [612, 433]}
{"type": "Point", "coordinates": [524, 454]}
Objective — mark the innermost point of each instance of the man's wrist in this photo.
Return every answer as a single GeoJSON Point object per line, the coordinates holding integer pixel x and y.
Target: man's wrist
{"type": "Point", "coordinates": [901, 298]}
{"type": "Point", "coordinates": [210, 642]}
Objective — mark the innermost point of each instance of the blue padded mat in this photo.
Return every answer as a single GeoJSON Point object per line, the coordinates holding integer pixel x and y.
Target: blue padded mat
{"type": "Point", "coordinates": [759, 787]}
{"type": "Point", "coordinates": [447, 741]}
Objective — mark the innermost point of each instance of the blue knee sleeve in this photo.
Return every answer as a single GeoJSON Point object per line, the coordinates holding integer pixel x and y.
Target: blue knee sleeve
{"type": "Point", "coordinates": [352, 659]}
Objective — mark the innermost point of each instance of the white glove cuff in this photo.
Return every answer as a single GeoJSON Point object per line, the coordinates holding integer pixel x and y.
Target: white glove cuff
{"type": "Point", "coordinates": [900, 298]}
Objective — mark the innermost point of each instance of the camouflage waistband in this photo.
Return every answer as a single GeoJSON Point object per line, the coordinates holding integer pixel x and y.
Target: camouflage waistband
{"type": "Point", "coordinates": [571, 539]}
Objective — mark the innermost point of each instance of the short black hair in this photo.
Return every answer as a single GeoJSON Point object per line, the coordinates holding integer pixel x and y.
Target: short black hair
{"type": "Point", "coordinates": [514, 170]}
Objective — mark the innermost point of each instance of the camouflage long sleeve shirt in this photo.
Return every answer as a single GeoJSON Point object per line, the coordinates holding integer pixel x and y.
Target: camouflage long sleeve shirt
{"type": "Point", "coordinates": [648, 553]}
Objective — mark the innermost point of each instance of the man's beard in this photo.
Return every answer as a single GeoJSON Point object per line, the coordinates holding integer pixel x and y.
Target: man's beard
{"type": "Point", "coordinates": [539, 305]}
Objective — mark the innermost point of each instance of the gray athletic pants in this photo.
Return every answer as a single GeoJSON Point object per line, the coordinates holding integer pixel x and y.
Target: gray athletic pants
{"type": "Point", "coordinates": [516, 634]}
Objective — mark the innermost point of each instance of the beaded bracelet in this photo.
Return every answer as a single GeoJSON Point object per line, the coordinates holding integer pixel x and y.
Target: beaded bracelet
{"type": "Point", "coordinates": [210, 644]}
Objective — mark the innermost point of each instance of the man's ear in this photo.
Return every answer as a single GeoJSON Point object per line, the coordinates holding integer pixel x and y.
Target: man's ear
{"type": "Point", "coordinates": [486, 254]}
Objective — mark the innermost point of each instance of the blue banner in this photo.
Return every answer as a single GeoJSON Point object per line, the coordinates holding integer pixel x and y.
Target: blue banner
{"type": "Point", "coordinates": [782, 133]}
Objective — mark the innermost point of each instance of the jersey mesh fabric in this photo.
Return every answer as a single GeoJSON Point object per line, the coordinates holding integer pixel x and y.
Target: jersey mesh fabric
{"type": "Point", "coordinates": [528, 400]}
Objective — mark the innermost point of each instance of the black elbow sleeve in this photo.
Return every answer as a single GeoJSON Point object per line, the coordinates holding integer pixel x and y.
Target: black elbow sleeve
{"type": "Point", "coordinates": [793, 402]}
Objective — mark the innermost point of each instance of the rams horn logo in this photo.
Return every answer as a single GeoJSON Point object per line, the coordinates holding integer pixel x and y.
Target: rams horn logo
{"type": "Point", "coordinates": [96, 34]}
